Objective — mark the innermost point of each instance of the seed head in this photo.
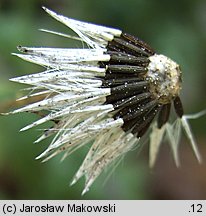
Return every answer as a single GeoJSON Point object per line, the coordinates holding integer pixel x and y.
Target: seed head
{"type": "Point", "coordinates": [108, 95]}
{"type": "Point", "coordinates": [165, 78]}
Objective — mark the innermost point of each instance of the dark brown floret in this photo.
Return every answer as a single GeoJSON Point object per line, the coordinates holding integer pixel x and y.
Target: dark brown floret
{"type": "Point", "coordinates": [138, 110]}
{"type": "Point", "coordinates": [163, 115]}
{"type": "Point", "coordinates": [144, 122]}
{"type": "Point", "coordinates": [129, 101]}
{"type": "Point", "coordinates": [126, 75]}
{"type": "Point", "coordinates": [139, 43]}
{"type": "Point", "coordinates": [126, 69]}
{"type": "Point", "coordinates": [178, 107]}
{"type": "Point", "coordinates": [123, 58]}
{"type": "Point", "coordinates": [124, 91]}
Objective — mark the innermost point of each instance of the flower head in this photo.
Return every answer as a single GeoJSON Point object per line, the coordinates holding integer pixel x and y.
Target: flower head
{"type": "Point", "coordinates": [109, 94]}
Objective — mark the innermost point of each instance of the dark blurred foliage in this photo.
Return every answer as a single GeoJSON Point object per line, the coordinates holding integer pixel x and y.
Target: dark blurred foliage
{"type": "Point", "coordinates": [175, 28]}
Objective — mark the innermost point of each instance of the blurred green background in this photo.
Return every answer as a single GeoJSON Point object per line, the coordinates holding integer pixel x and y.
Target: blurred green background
{"type": "Point", "coordinates": [175, 28]}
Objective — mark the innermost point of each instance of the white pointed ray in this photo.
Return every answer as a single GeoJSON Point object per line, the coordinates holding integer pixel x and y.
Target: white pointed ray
{"type": "Point", "coordinates": [156, 138]}
{"type": "Point", "coordinates": [105, 155]}
{"type": "Point", "coordinates": [53, 75]}
{"type": "Point", "coordinates": [62, 64]}
{"type": "Point", "coordinates": [61, 34]}
{"type": "Point", "coordinates": [46, 93]}
{"type": "Point", "coordinates": [173, 133]}
{"type": "Point", "coordinates": [72, 101]}
{"type": "Point", "coordinates": [99, 35]}
{"type": "Point", "coordinates": [67, 55]}
{"type": "Point", "coordinates": [66, 111]}
{"type": "Point", "coordinates": [190, 136]}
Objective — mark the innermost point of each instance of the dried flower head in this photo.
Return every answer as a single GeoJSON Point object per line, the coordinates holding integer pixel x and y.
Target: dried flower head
{"type": "Point", "coordinates": [108, 94]}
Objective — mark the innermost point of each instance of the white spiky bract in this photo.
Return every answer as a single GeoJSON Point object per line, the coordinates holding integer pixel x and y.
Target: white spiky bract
{"type": "Point", "coordinates": [173, 132]}
{"type": "Point", "coordinates": [75, 99]}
